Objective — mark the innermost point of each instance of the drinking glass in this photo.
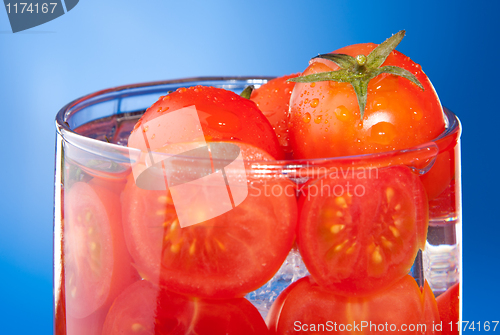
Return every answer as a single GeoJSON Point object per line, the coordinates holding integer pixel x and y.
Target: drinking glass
{"type": "Point", "coordinates": [98, 254]}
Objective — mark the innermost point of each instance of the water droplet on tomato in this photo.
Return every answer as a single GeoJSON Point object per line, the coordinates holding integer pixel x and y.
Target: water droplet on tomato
{"type": "Point", "coordinates": [342, 113]}
{"type": "Point", "coordinates": [417, 115]}
{"type": "Point", "coordinates": [313, 84]}
{"type": "Point", "coordinates": [318, 119]}
{"type": "Point", "coordinates": [307, 117]}
{"type": "Point", "coordinates": [314, 103]}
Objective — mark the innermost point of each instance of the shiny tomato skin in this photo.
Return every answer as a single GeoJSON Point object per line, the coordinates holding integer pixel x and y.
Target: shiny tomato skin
{"type": "Point", "coordinates": [224, 257]}
{"type": "Point", "coordinates": [431, 311]}
{"type": "Point", "coordinates": [96, 260]}
{"type": "Point", "coordinates": [360, 232]}
{"type": "Point", "coordinates": [273, 99]}
{"type": "Point", "coordinates": [325, 120]}
{"type": "Point", "coordinates": [449, 309]}
{"type": "Point", "coordinates": [306, 305]}
{"type": "Point", "coordinates": [143, 309]}
{"type": "Point", "coordinates": [442, 172]}
{"type": "Point", "coordinates": [88, 325]}
{"type": "Point", "coordinates": [224, 116]}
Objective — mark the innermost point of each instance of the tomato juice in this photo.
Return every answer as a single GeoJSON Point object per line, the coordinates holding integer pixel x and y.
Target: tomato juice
{"type": "Point", "coordinates": [313, 241]}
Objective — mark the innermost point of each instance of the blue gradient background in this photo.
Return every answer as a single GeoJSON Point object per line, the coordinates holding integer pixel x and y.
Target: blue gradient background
{"type": "Point", "coordinates": [100, 44]}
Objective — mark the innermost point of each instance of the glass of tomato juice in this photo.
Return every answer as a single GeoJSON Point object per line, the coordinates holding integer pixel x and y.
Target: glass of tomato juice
{"type": "Point", "coordinates": [149, 242]}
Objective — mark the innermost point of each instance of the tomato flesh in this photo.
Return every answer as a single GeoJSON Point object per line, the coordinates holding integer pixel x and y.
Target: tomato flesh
{"type": "Point", "coordinates": [360, 233]}
{"type": "Point", "coordinates": [306, 308]}
{"type": "Point", "coordinates": [145, 309]}
{"type": "Point", "coordinates": [97, 263]}
{"type": "Point", "coordinates": [224, 257]}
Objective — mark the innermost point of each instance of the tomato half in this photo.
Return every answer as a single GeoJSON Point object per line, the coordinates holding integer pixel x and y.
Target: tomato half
{"type": "Point", "coordinates": [325, 119]}
{"type": "Point", "coordinates": [224, 257]}
{"type": "Point", "coordinates": [360, 232]}
{"type": "Point", "coordinates": [223, 115]}
{"type": "Point", "coordinates": [449, 309]}
{"type": "Point", "coordinates": [144, 309]}
{"type": "Point", "coordinates": [273, 99]}
{"type": "Point", "coordinates": [97, 264]}
{"type": "Point", "coordinates": [88, 325]}
{"type": "Point", "coordinates": [306, 308]}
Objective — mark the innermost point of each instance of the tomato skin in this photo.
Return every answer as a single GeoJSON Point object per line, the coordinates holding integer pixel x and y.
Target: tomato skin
{"type": "Point", "coordinates": [325, 118]}
{"type": "Point", "coordinates": [273, 99]}
{"type": "Point", "coordinates": [145, 309]}
{"type": "Point", "coordinates": [224, 257]}
{"type": "Point", "coordinates": [94, 277]}
{"type": "Point", "coordinates": [361, 243]}
{"type": "Point", "coordinates": [224, 116]}
{"type": "Point", "coordinates": [442, 172]}
{"type": "Point", "coordinates": [449, 309]}
{"type": "Point", "coordinates": [431, 311]}
{"type": "Point", "coordinates": [307, 305]}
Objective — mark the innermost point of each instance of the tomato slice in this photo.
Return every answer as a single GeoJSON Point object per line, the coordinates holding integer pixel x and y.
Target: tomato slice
{"type": "Point", "coordinates": [306, 308]}
{"type": "Point", "coordinates": [145, 309]}
{"type": "Point", "coordinates": [449, 309]}
{"type": "Point", "coordinates": [431, 310]}
{"type": "Point", "coordinates": [96, 261]}
{"type": "Point", "coordinates": [360, 232]}
{"type": "Point", "coordinates": [224, 257]}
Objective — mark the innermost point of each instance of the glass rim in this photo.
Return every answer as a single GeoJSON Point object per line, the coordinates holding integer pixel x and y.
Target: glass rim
{"type": "Point", "coordinates": [453, 126]}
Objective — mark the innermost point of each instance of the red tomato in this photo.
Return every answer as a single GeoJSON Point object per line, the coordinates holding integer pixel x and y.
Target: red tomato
{"type": "Point", "coordinates": [306, 308]}
{"type": "Point", "coordinates": [89, 325]}
{"type": "Point", "coordinates": [224, 116]}
{"type": "Point", "coordinates": [144, 309]}
{"type": "Point", "coordinates": [442, 172]}
{"type": "Point", "coordinates": [224, 257]}
{"type": "Point", "coordinates": [359, 233]}
{"type": "Point", "coordinates": [96, 261]}
{"type": "Point", "coordinates": [325, 119]}
{"type": "Point", "coordinates": [431, 311]}
{"type": "Point", "coordinates": [449, 309]}
{"type": "Point", "coordinates": [446, 205]}
{"type": "Point", "coordinates": [273, 100]}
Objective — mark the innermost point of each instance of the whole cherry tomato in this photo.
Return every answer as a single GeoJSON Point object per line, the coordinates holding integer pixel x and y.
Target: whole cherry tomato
{"type": "Point", "coordinates": [273, 99]}
{"type": "Point", "coordinates": [379, 100]}
{"type": "Point", "coordinates": [306, 308]}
